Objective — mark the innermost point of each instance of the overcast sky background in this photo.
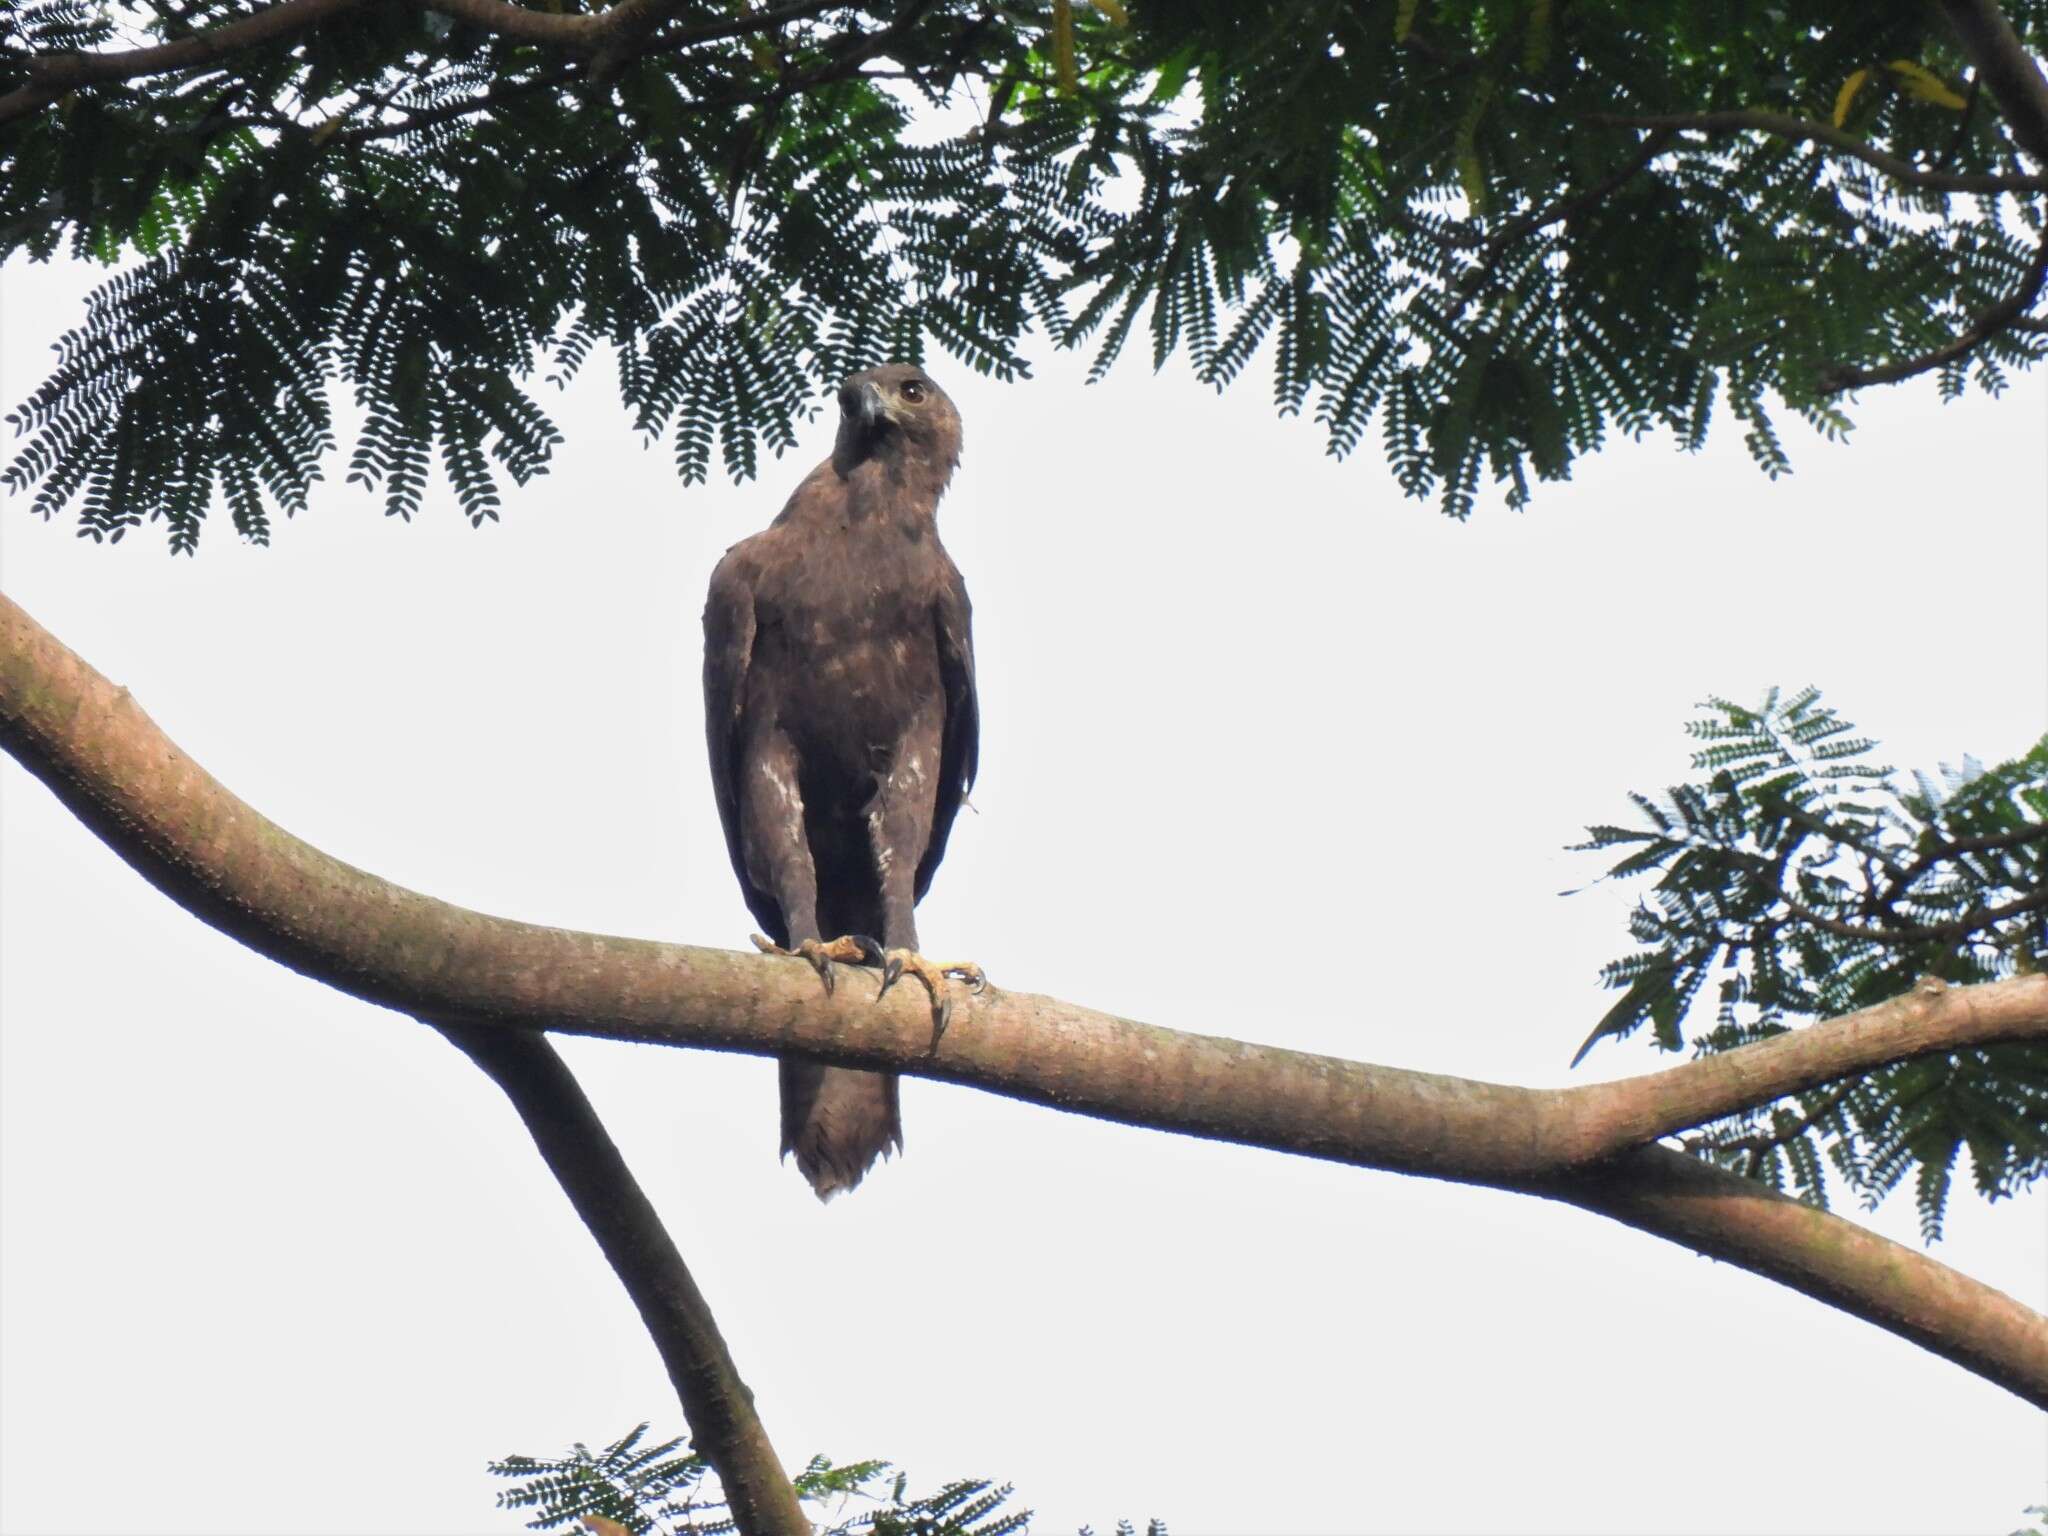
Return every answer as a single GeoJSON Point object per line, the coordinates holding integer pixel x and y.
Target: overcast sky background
{"type": "Point", "coordinates": [1268, 752]}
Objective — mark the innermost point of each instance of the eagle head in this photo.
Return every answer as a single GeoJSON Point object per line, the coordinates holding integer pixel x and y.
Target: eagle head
{"type": "Point", "coordinates": [896, 411]}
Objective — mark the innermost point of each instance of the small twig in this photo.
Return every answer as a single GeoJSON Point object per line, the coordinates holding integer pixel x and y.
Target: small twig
{"type": "Point", "coordinates": [450, 112]}
{"type": "Point", "coordinates": [1916, 933]}
{"type": "Point", "coordinates": [2019, 837]}
{"type": "Point", "coordinates": [1473, 279]}
{"type": "Point", "coordinates": [1567, 207]}
{"type": "Point", "coordinates": [1835, 834]}
{"type": "Point", "coordinates": [1759, 1145]}
{"type": "Point", "coordinates": [1965, 121]}
{"type": "Point", "coordinates": [1837, 139]}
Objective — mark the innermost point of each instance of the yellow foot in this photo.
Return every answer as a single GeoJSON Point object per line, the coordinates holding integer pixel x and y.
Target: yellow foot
{"type": "Point", "coordinates": [851, 949]}
{"type": "Point", "coordinates": [896, 963]}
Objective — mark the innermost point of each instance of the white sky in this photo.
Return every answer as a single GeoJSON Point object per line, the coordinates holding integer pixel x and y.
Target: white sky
{"type": "Point", "coordinates": [1269, 752]}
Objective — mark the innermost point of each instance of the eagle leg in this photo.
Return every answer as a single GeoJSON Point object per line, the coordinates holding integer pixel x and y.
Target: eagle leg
{"type": "Point", "coordinates": [897, 962]}
{"type": "Point", "coordinates": [849, 949]}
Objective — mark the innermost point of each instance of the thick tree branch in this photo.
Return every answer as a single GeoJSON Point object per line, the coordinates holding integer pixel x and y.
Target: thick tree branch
{"type": "Point", "coordinates": [1601, 1119]}
{"type": "Point", "coordinates": [1839, 140]}
{"type": "Point", "coordinates": [2008, 71]}
{"type": "Point", "coordinates": [724, 1429]}
{"type": "Point", "coordinates": [216, 856]}
{"type": "Point", "coordinates": [608, 34]}
{"type": "Point", "coordinates": [1834, 1261]}
{"type": "Point", "coordinates": [52, 75]}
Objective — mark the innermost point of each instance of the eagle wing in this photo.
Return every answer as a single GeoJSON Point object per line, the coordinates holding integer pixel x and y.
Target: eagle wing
{"type": "Point", "coordinates": [728, 652]}
{"type": "Point", "coordinates": [960, 744]}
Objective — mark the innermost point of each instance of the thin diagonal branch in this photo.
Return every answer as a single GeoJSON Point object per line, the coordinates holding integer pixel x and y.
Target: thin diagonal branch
{"type": "Point", "coordinates": [593, 32]}
{"type": "Point", "coordinates": [580, 1153]}
{"type": "Point", "coordinates": [1474, 278]}
{"type": "Point", "coordinates": [1994, 842]}
{"type": "Point", "coordinates": [1806, 130]}
{"type": "Point", "coordinates": [106, 760]}
{"type": "Point", "coordinates": [1653, 145]}
{"type": "Point", "coordinates": [1894, 932]}
{"type": "Point", "coordinates": [1987, 324]}
{"type": "Point", "coordinates": [1759, 1142]}
{"type": "Point", "coordinates": [496, 96]}
{"type": "Point", "coordinates": [1725, 1217]}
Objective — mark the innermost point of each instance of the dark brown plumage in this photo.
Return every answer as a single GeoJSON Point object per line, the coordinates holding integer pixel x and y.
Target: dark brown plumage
{"type": "Point", "coordinates": [840, 713]}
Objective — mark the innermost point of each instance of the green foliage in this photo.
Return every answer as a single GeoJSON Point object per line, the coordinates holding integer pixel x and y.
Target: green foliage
{"type": "Point", "coordinates": [1435, 216]}
{"type": "Point", "coordinates": [657, 1488]}
{"type": "Point", "coordinates": [1801, 879]}
{"type": "Point", "coordinates": [662, 1490]}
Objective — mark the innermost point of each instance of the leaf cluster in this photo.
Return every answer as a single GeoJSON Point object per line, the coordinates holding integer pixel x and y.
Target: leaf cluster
{"type": "Point", "coordinates": [1799, 878]}
{"type": "Point", "coordinates": [645, 1488]}
{"type": "Point", "coordinates": [434, 217]}
{"type": "Point", "coordinates": [664, 1490]}
{"type": "Point", "coordinates": [1459, 224]}
{"type": "Point", "coordinates": [1454, 217]}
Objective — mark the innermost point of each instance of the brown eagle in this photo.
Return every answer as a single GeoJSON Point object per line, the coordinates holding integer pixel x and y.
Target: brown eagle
{"type": "Point", "coordinates": [840, 712]}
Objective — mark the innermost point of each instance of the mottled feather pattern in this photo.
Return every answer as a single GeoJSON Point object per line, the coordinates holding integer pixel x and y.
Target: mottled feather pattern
{"type": "Point", "coordinates": [841, 719]}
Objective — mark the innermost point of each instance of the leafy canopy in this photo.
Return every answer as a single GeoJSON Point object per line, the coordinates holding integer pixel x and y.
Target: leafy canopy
{"type": "Point", "coordinates": [1799, 878]}
{"type": "Point", "coordinates": [1497, 229]}
{"type": "Point", "coordinates": [634, 1489]}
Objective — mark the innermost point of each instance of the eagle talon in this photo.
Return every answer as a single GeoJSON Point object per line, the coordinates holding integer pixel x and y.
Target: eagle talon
{"type": "Point", "coordinates": [839, 700]}
{"type": "Point", "coordinates": [896, 963]}
{"type": "Point", "coordinates": [852, 949]}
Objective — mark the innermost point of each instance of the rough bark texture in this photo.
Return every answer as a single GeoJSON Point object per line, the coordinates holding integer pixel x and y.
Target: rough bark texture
{"type": "Point", "coordinates": [724, 1429]}
{"type": "Point", "coordinates": [1724, 1217]}
{"type": "Point", "coordinates": [608, 37]}
{"type": "Point", "coordinates": [94, 746]}
{"type": "Point", "coordinates": [2008, 71]}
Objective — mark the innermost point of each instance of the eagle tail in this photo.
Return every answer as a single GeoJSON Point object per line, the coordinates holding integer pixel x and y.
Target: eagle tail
{"type": "Point", "coordinates": [838, 1122]}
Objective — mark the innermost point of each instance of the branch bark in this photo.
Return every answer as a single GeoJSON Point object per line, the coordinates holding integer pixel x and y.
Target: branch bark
{"type": "Point", "coordinates": [185, 833]}
{"type": "Point", "coordinates": [1834, 1261]}
{"type": "Point", "coordinates": [724, 1429]}
{"type": "Point", "coordinates": [608, 34]}
{"type": "Point", "coordinates": [1986, 324]}
{"type": "Point", "coordinates": [2008, 71]}
{"type": "Point", "coordinates": [1839, 140]}
{"type": "Point", "coordinates": [53, 75]}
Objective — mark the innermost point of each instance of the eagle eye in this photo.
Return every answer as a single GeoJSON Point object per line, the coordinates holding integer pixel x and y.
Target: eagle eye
{"type": "Point", "coordinates": [913, 391]}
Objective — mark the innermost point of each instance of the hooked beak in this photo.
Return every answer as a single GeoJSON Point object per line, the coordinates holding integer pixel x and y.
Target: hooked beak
{"type": "Point", "coordinates": [862, 403]}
